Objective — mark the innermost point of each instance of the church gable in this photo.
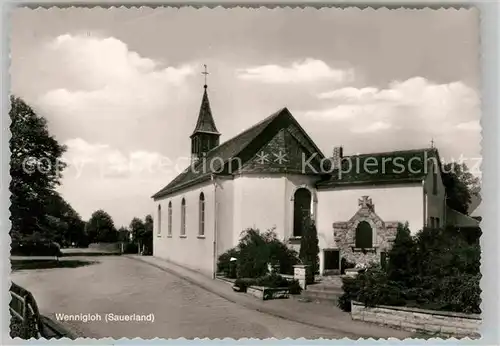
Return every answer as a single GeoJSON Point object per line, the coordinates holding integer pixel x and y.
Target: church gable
{"type": "Point", "coordinates": [283, 153]}
{"type": "Point", "coordinates": [300, 136]}
{"type": "Point", "coordinates": [278, 131]}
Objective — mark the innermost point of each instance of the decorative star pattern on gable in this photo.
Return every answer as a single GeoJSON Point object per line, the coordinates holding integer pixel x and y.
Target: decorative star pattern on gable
{"type": "Point", "coordinates": [283, 153]}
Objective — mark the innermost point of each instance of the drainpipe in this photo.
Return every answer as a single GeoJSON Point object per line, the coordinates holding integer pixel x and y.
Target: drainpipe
{"type": "Point", "coordinates": [214, 181]}
{"type": "Point", "coordinates": [426, 203]}
{"type": "Point", "coordinates": [444, 211]}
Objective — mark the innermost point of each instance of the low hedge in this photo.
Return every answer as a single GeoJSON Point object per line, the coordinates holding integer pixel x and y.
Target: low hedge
{"type": "Point", "coordinates": [29, 248]}
{"type": "Point", "coordinates": [271, 281]}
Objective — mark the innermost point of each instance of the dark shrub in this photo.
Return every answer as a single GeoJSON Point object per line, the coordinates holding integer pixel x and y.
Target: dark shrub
{"type": "Point", "coordinates": [225, 266]}
{"type": "Point", "coordinates": [254, 253]}
{"type": "Point", "coordinates": [460, 293]}
{"type": "Point", "coordinates": [35, 248]}
{"type": "Point", "coordinates": [351, 288]}
{"type": "Point", "coordinates": [281, 255]}
{"type": "Point", "coordinates": [242, 284]}
{"type": "Point", "coordinates": [294, 287]}
{"type": "Point", "coordinates": [130, 248]}
{"type": "Point", "coordinates": [401, 265]}
{"type": "Point", "coordinates": [345, 264]}
{"type": "Point", "coordinates": [377, 289]}
{"type": "Point", "coordinates": [309, 249]}
{"type": "Point", "coordinates": [272, 280]}
{"type": "Point", "coordinates": [438, 269]}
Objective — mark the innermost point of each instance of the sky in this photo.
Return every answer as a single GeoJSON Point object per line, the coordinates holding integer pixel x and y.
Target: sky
{"type": "Point", "coordinates": [121, 88]}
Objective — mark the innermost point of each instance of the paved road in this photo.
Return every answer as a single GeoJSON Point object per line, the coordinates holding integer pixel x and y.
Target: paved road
{"type": "Point", "coordinates": [123, 286]}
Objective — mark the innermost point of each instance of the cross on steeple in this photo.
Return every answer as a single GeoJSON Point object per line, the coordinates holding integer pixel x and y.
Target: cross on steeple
{"type": "Point", "coordinates": [205, 73]}
{"type": "Point", "coordinates": [432, 142]}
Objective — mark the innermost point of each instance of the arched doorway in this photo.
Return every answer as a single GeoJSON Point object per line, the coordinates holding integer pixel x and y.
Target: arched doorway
{"type": "Point", "coordinates": [301, 210]}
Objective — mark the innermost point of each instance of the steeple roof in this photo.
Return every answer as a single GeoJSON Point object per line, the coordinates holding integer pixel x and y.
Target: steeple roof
{"type": "Point", "coordinates": [205, 121]}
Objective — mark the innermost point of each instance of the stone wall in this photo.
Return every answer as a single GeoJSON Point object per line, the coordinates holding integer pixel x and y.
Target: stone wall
{"type": "Point", "coordinates": [384, 234]}
{"type": "Point", "coordinates": [441, 323]}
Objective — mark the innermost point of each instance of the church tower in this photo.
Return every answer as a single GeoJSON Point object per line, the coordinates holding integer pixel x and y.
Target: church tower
{"type": "Point", "coordinates": [205, 136]}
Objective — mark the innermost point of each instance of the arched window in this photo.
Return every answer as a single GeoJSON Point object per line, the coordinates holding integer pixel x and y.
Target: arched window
{"type": "Point", "coordinates": [169, 218]}
{"type": "Point", "coordinates": [183, 217]}
{"type": "Point", "coordinates": [364, 235]}
{"type": "Point", "coordinates": [301, 210]}
{"type": "Point", "coordinates": [159, 219]}
{"type": "Point", "coordinates": [201, 230]}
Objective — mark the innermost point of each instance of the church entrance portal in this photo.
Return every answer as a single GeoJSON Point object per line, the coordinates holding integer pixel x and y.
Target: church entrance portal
{"type": "Point", "coordinates": [301, 210]}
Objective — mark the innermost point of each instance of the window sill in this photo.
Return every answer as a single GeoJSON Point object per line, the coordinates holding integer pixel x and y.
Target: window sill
{"type": "Point", "coordinates": [183, 236]}
{"type": "Point", "coordinates": [368, 249]}
{"type": "Point", "coordinates": [201, 237]}
{"type": "Point", "coordinates": [169, 236]}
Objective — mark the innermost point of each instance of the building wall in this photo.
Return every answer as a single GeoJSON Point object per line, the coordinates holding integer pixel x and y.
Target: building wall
{"type": "Point", "coordinates": [225, 216]}
{"type": "Point", "coordinates": [436, 203]}
{"type": "Point", "coordinates": [391, 202]}
{"type": "Point", "coordinates": [259, 203]}
{"type": "Point", "coordinates": [192, 251]}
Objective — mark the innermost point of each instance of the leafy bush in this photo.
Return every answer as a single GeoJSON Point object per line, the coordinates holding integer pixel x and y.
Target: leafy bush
{"type": "Point", "coordinates": [243, 283]}
{"type": "Point", "coordinates": [351, 288]}
{"type": "Point", "coordinates": [130, 248]}
{"type": "Point", "coordinates": [294, 287]}
{"type": "Point", "coordinates": [32, 248]}
{"type": "Point", "coordinates": [254, 253]}
{"type": "Point", "coordinates": [345, 264]}
{"type": "Point", "coordinates": [376, 288]}
{"type": "Point", "coordinates": [224, 264]}
{"type": "Point", "coordinates": [271, 281]}
{"type": "Point", "coordinates": [438, 269]}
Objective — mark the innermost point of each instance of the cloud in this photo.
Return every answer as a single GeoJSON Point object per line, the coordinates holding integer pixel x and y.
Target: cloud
{"type": "Point", "coordinates": [308, 70]}
{"type": "Point", "coordinates": [406, 114]}
{"type": "Point", "coordinates": [99, 160]}
{"type": "Point", "coordinates": [92, 84]}
{"type": "Point", "coordinates": [473, 125]}
{"type": "Point", "coordinates": [374, 127]}
{"type": "Point", "coordinates": [99, 176]}
{"type": "Point", "coordinates": [98, 63]}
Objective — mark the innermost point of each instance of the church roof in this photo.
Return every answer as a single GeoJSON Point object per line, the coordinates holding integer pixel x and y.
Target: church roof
{"type": "Point", "coordinates": [205, 121]}
{"type": "Point", "coordinates": [246, 146]}
{"type": "Point", "coordinates": [400, 166]}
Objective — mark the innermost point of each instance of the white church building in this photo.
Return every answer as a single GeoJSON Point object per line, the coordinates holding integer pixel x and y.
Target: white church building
{"type": "Point", "coordinates": [272, 174]}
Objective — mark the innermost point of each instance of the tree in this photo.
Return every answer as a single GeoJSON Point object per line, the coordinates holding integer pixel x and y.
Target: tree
{"type": "Point", "coordinates": [460, 186]}
{"type": "Point", "coordinates": [138, 230]}
{"type": "Point", "coordinates": [101, 228]}
{"type": "Point", "coordinates": [67, 224]}
{"type": "Point", "coordinates": [35, 170]}
{"type": "Point", "coordinates": [123, 234]}
{"type": "Point", "coordinates": [401, 266]}
{"type": "Point", "coordinates": [309, 248]}
{"type": "Point", "coordinates": [148, 233]}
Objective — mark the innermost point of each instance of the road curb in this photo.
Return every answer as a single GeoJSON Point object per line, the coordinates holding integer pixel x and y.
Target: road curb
{"type": "Point", "coordinates": [257, 307]}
